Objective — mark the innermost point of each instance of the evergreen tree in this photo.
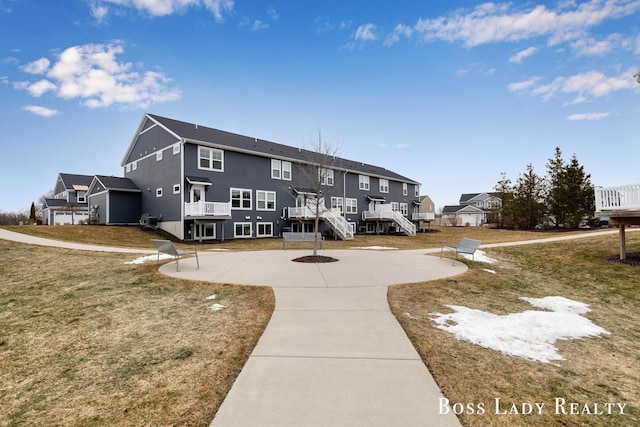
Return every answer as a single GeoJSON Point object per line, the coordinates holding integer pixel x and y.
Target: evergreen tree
{"type": "Point", "coordinates": [571, 195]}
{"type": "Point", "coordinates": [506, 213]}
{"type": "Point", "coordinates": [529, 199]}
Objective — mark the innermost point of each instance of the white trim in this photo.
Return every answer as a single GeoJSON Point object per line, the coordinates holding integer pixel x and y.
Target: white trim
{"type": "Point", "coordinates": [242, 199]}
{"type": "Point", "coordinates": [158, 155]}
{"type": "Point", "coordinates": [159, 192]}
{"type": "Point", "coordinates": [364, 182]}
{"type": "Point", "coordinates": [211, 160]}
{"type": "Point", "coordinates": [266, 201]}
{"type": "Point", "coordinates": [176, 188]}
{"type": "Point", "coordinates": [383, 185]}
{"type": "Point", "coordinates": [243, 236]}
{"type": "Point", "coordinates": [258, 224]}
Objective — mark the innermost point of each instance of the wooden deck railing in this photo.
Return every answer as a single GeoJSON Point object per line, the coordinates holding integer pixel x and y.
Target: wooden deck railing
{"type": "Point", "coordinates": [207, 209]}
{"type": "Point", "coordinates": [620, 198]}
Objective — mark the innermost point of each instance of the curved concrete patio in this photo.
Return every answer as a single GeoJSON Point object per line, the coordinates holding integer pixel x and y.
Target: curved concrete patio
{"type": "Point", "coordinates": [332, 353]}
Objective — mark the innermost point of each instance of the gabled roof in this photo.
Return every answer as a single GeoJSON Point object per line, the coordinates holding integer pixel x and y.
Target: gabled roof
{"type": "Point", "coordinates": [461, 209]}
{"type": "Point", "coordinates": [472, 197]}
{"type": "Point", "coordinates": [55, 203]}
{"type": "Point", "coordinates": [112, 183]}
{"type": "Point", "coordinates": [190, 132]}
{"type": "Point", "coordinates": [81, 182]}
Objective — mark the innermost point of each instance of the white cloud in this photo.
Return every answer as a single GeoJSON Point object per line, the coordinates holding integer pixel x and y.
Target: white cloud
{"type": "Point", "coordinates": [520, 56]}
{"type": "Point", "coordinates": [40, 111]}
{"type": "Point", "coordinates": [585, 86]}
{"type": "Point", "coordinates": [92, 74]}
{"type": "Point", "coordinates": [366, 32]}
{"type": "Point", "coordinates": [273, 14]}
{"type": "Point", "coordinates": [259, 25]}
{"type": "Point", "coordinates": [399, 31]}
{"type": "Point", "coordinates": [36, 67]}
{"type": "Point", "coordinates": [491, 22]}
{"type": "Point", "coordinates": [587, 116]}
{"type": "Point", "coordinates": [324, 25]}
{"type": "Point", "coordinates": [592, 47]}
{"type": "Point", "coordinates": [523, 85]}
{"type": "Point", "coordinates": [219, 8]}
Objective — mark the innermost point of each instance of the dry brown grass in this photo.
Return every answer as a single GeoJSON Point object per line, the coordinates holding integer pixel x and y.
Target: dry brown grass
{"type": "Point", "coordinates": [604, 369]}
{"type": "Point", "coordinates": [137, 238]}
{"type": "Point", "coordinates": [87, 340]}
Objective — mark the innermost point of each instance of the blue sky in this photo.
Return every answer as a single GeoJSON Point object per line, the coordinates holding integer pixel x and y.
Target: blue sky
{"type": "Point", "coordinates": [448, 93]}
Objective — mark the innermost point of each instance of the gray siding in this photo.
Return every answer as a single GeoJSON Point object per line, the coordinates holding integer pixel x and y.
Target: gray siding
{"type": "Point", "coordinates": [149, 142]}
{"type": "Point", "coordinates": [152, 174]}
{"type": "Point", "coordinates": [124, 207]}
{"type": "Point", "coordinates": [99, 199]}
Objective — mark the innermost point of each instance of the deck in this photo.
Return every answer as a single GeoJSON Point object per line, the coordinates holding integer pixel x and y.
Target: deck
{"type": "Point", "coordinates": [621, 204]}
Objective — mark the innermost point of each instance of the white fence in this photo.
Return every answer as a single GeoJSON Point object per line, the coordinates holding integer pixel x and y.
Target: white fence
{"type": "Point", "coordinates": [620, 198]}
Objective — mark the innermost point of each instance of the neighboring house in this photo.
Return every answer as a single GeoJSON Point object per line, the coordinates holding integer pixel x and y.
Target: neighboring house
{"type": "Point", "coordinates": [426, 213]}
{"type": "Point", "coordinates": [203, 183]}
{"type": "Point", "coordinates": [473, 209]}
{"type": "Point", "coordinates": [69, 202]}
{"type": "Point", "coordinates": [113, 200]}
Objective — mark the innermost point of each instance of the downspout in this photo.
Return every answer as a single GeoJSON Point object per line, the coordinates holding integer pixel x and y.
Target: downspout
{"type": "Point", "coordinates": [182, 145]}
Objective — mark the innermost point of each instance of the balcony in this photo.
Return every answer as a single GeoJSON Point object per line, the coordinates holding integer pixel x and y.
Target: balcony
{"type": "Point", "coordinates": [423, 216]}
{"type": "Point", "coordinates": [621, 205]}
{"type": "Point", "coordinates": [622, 198]}
{"type": "Point", "coordinates": [207, 209]}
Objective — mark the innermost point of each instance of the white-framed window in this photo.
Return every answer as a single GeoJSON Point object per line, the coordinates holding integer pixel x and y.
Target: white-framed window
{"type": "Point", "coordinates": [326, 176]}
{"type": "Point", "coordinates": [363, 182]}
{"type": "Point", "coordinates": [404, 208]}
{"type": "Point", "coordinates": [176, 149]}
{"type": "Point", "coordinates": [158, 156]}
{"type": "Point", "coordinates": [127, 167]}
{"type": "Point", "coordinates": [395, 206]}
{"type": "Point", "coordinates": [242, 229]}
{"type": "Point", "coordinates": [134, 166]}
{"type": "Point", "coordinates": [81, 197]}
{"type": "Point", "coordinates": [265, 229]}
{"type": "Point", "coordinates": [158, 192]}
{"type": "Point", "coordinates": [204, 231]}
{"type": "Point", "coordinates": [281, 169]}
{"type": "Point", "coordinates": [405, 189]}
{"type": "Point", "coordinates": [286, 170]}
{"type": "Point", "coordinates": [265, 200]}
{"type": "Point", "coordinates": [176, 188]}
{"type": "Point", "coordinates": [240, 198]}
{"type": "Point", "coordinates": [352, 206]}
{"type": "Point", "coordinates": [276, 169]}
{"type": "Point", "coordinates": [210, 159]}
{"type": "Point", "coordinates": [337, 203]}
{"type": "Point", "coordinates": [383, 185]}
{"type": "Point", "coordinates": [417, 193]}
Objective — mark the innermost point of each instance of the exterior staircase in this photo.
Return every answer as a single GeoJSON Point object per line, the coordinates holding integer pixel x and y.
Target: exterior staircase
{"type": "Point", "coordinates": [338, 224]}
{"type": "Point", "coordinates": [406, 226]}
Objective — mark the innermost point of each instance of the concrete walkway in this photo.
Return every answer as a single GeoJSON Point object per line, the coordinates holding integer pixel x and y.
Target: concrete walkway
{"type": "Point", "coordinates": [332, 353]}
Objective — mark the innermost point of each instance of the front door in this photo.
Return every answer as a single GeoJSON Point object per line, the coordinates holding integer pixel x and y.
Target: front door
{"type": "Point", "coordinates": [197, 193]}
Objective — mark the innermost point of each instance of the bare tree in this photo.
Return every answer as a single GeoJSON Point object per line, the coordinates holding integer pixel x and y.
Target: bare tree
{"type": "Point", "coordinates": [322, 174]}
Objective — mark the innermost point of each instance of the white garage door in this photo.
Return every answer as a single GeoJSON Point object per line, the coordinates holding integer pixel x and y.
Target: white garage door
{"type": "Point", "coordinates": [64, 218]}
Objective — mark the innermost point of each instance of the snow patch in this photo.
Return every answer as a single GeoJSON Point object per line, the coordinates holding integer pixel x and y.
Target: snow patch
{"type": "Point", "coordinates": [217, 307]}
{"type": "Point", "coordinates": [375, 248]}
{"type": "Point", "coordinates": [480, 256]}
{"type": "Point", "coordinates": [148, 258]}
{"type": "Point", "coordinates": [530, 334]}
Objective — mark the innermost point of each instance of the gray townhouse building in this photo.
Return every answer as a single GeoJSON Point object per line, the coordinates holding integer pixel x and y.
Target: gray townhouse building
{"type": "Point", "coordinates": [200, 183]}
{"type": "Point", "coordinates": [69, 202]}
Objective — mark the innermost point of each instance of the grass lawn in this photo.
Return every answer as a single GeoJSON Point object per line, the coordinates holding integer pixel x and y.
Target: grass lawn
{"type": "Point", "coordinates": [88, 340]}
{"type": "Point", "coordinates": [602, 369]}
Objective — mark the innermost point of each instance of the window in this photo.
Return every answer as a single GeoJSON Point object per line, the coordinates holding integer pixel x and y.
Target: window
{"type": "Point", "coordinates": [81, 197]}
{"type": "Point", "coordinates": [280, 169]}
{"type": "Point", "coordinates": [363, 182]}
{"type": "Point", "coordinates": [404, 208]}
{"type": "Point", "coordinates": [134, 166]}
{"type": "Point", "coordinates": [352, 206]}
{"type": "Point", "coordinates": [337, 203]}
{"type": "Point", "coordinates": [395, 206]}
{"type": "Point", "coordinates": [286, 171]}
{"type": "Point", "coordinates": [158, 156]}
{"type": "Point", "coordinates": [384, 185]}
{"type": "Point", "coordinates": [127, 168]}
{"type": "Point", "coordinates": [417, 193]}
{"type": "Point", "coordinates": [265, 229]}
{"type": "Point", "coordinates": [176, 149]}
{"type": "Point", "coordinates": [210, 159]}
{"type": "Point", "coordinates": [158, 192]}
{"type": "Point", "coordinates": [242, 229]}
{"type": "Point", "coordinates": [326, 176]}
{"type": "Point", "coordinates": [176, 189]}
{"type": "Point", "coordinates": [405, 189]}
{"type": "Point", "coordinates": [276, 169]}
{"type": "Point", "coordinates": [240, 198]}
{"type": "Point", "coordinates": [265, 200]}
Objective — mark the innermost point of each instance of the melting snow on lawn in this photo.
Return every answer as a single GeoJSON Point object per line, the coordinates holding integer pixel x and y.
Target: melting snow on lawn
{"type": "Point", "coordinates": [144, 259]}
{"type": "Point", "coordinates": [375, 248]}
{"type": "Point", "coordinates": [530, 334]}
{"type": "Point", "coordinates": [480, 256]}
{"type": "Point", "coordinates": [216, 306]}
